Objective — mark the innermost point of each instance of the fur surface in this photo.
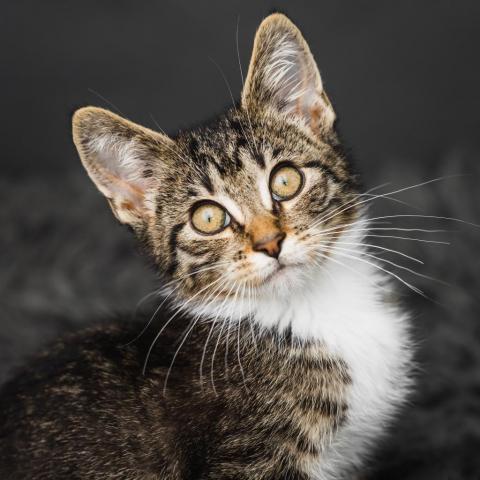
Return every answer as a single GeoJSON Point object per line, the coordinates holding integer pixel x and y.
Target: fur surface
{"type": "Point", "coordinates": [82, 410]}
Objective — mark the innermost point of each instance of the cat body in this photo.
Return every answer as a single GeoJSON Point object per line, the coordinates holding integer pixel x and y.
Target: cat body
{"type": "Point", "coordinates": [286, 409]}
{"type": "Point", "coordinates": [280, 351]}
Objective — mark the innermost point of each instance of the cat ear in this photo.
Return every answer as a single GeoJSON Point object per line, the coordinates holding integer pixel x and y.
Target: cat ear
{"type": "Point", "coordinates": [284, 76]}
{"type": "Point", "coordinates": [118, 156]}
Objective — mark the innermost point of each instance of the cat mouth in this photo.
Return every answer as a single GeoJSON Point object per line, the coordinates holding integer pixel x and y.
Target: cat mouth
{"type": "Point", "coordinates": [281, 272]}
{"type": "Point", "coordinates": [275, 273]}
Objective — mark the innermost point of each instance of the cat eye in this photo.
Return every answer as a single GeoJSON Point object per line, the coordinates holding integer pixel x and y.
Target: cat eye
{"type": "Point", "coordinates": [209, 218]}
{"type": "Point", "coordinates": [285, 182]}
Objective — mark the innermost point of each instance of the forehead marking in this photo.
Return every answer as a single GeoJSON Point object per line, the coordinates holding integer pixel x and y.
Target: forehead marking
{"type": "Point", "coordinates": [325, 170]}
{"type": "Point", "coordinates": [264, 190]}
{"type": "Point", "coordinates": [232, 207]}
{"type": "Point", "coordinates": [258, 157]}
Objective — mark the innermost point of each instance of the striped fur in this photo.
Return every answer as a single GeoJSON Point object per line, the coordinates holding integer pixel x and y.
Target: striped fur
{"type": "Point", "coordinates": [263, 366]}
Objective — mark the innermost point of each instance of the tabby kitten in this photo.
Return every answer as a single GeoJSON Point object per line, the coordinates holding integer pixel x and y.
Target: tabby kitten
{"type": "Point", "coordinates": [277, 355]}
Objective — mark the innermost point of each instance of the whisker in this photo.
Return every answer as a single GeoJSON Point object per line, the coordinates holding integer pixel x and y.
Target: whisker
{"type": "Point", "coordinates": [177, 154]}
{"type": "Point", "coordinates": [431, 217]}
{"type": "Point", "coordinates": [233, 100]}
{"type": "Point", "coordinates": [243, 84]}
{"type": "Point", "coordinates": [189, 330]}
{"type": "Point", "coordinates": [329, 217]}
{"type": "Point", "coordinates": [396, 200]}
{"type": "Point", "coordinates": [193, 324]}
{"type": "Point", "coordinates": [212, 363]}
{"type": "Point", "coordinates": [178, 310]}
{"type": "Point", "coordinates": [350, 202]}
{"type": "Point", "coordinates": [108, 102]}
{"type": "Point", "coordinates": [388, 272]}
{"type": "Point", "coordinates": [397, 229]}
{"type": "Point", "coordinates": [152, 318]}
{"type": "Point", "coordinates": [216, 345]}
{"type": "Point", "coordinates": [178, 282]}
{"type": "Point", "coordinates": [238, 347]}
{"type": "Point", "coordinates": [344, 265]}
{"type": "Point", "coordinates": [154, 293]}
{"type": "Point", "coordinates": [250, 315]}
{"type": "Point", "coordinates": [218, 290]}
{"type": "Point", "coordinates": [421, 240]}
{"type": "Point", "coordinates": [391, 263]}
{"type": "Point", "coordinates": [229, 316]}
{"type": "Point", "coordinates": [339, 235]}
{"type": "Point", "coordinates": [379, 247]}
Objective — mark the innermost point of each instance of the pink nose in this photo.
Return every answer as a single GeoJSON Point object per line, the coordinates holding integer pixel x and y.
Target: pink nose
{"type": "Point", "coordinates": [271, 245]}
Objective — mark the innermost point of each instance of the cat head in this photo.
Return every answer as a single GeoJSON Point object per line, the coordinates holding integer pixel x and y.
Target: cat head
{"type": "Point", "coordinates": [245, 204]}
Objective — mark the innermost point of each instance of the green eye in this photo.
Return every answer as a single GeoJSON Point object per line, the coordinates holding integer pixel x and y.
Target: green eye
{"type": "Point", "coordinates": [209, 218]}
{"type": "Point", "coordinates": [285, 182]}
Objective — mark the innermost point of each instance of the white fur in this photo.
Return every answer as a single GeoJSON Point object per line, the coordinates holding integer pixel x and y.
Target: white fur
{"type": "Point", "coordinates": [289, 74]}
{"type": "Point", "coordinates": [341, 305]}
{"type": "Point", "coordinates": [349, 318]}
{"type": "Point", "coordinates": [264, 190]}
{"type": "Point", "coordinates": [292, 76]}
{"type": "Point", "coordinates": [342, 308]}
{"type": "Point", "coordinates": [232, 207]}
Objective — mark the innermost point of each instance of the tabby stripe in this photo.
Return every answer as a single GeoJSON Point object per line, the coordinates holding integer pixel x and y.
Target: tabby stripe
{"type": "Point", "coordinates": [276, 152]}
{"type": "Point", "coordinates": [201, 161]}
{"type": "Point", "coordinates": [191, 192]}
{"type": "Point", "coordinates": [333, 203]}
{"type": "Point", "coordinates": [310, 363]}
{"type": "Point", "coordinates": [198, 266]}
{"type": "Point", "coordinates": [305, 446]}
{"type": "Point", "coordinates": [172, 243]}
{"type": "Point", "coordinates": [236, 156]}
{"type": "Point", "coordinates": [237, 127]}
{"type": "Point", "coordinates": [286, 471]}
{"type": "Point", "coordinates": [323, 406]}
{"type": "Point", "coordinates": [290, 473]}
{"type": "Point", "coordinates": [202, 172]}
{"type": "Point", "coordinates": [289, 431]}
{"type": "Point", "coordinates": [325, 169]}
{"type": "Point", "coordinates": [193, 249]}
{"type": "Point", "coordinates": [207, 182]}
{"type": "Point", "coordinates": [258, 157]}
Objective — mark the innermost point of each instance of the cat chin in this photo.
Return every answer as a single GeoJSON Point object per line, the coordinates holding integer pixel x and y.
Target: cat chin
{"type": "Point", "coordinates": [284, 281]}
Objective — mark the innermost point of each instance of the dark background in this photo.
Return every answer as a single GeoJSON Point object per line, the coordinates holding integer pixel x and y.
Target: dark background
{"type": "Point", "coordinates": [404, 77]}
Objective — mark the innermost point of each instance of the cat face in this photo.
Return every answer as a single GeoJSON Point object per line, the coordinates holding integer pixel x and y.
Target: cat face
{"type": "Point", "coordinates": [245, 204]}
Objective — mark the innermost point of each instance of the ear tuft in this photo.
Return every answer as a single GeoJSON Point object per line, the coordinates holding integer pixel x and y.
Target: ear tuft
{"type": "Point", "coordinates": [118, 156]}
{"type": "Point", "coordinates": [283, 75]}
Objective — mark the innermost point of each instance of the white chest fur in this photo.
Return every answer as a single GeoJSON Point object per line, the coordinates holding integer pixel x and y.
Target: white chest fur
{"type": "Point", "coordinates": [344, 310]}
{"type": "Point", "coordinates": [343, 307]}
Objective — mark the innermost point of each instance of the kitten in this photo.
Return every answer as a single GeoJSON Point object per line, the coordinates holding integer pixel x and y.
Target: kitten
{"type": "Point", "coordinates": [278, 354]}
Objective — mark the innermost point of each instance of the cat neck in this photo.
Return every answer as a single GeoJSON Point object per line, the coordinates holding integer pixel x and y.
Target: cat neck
{"type": "Point", "coordinates": [335, 297]}
{"type": "Point", "coordinates": [337, 294]}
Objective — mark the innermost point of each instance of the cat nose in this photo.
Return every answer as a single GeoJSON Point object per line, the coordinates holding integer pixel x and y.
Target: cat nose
{"type": "Point", "coordinates": [270, 245]}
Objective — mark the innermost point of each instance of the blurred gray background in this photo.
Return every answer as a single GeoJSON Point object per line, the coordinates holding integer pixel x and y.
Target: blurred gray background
{"type": "Point", "coordinates": [404, 77]}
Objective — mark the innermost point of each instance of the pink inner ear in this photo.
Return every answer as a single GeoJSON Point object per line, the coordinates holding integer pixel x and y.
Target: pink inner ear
{"type": "Point", "coordinates": [118, 175]}
{"type": "Point", "coordinates": [128, 194]}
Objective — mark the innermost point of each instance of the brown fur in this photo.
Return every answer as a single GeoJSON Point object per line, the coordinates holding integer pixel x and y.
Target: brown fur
{"type": "Point", "coordinates": [230, 407]}
{"type": "Point", "coordinates": [97, 417]}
